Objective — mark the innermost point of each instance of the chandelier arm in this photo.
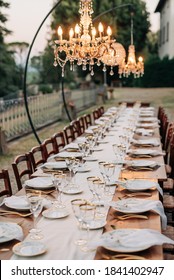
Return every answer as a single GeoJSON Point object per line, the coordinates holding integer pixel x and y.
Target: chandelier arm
{"type": "Point", "coordinates": [25, 75]}
{"type": "Point", "coordinates": [132, 28]}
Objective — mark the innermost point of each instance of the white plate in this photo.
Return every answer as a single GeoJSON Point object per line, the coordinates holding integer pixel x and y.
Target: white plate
{"type": "Point", "coordinates": [102, 142]}
{"type": "Point", "coordinates": [96, 224]}
{"type": "Point", "coordinates": [118, 240]}
{"type": "Point", "coordinates": [153, 142]}
{"type": "Point", "coordinates": [142, 163]}
{"type": "Point", "coordinates": [54, 165]}
{"type": "Point", "coordinates": [18, 203]}
{"type": "Point", "coordinates": [83, 169]}
{"type": "Point", "coordinates": [90, 158]}
{"type": "Point", "coordinates": [97, 149]}
{"type": "Point", "coordinates": [10, 231]}
{"type": "Point", "coordinates": [141, 152]}
{"type": "Point", "coordinates": [40, 183]}
{"type": "Point", "coordinates": [55, 213]}
{"type": "Point", "coordinates": [147, 125]}
{"type": "Point", "coordinates": [69, 154]}
{"type": "Point", "coordinates": [129, 205]}
{"type": "Point", "coordinates": [29, 248]}
{"type": "Point", "coordinates": [72, 190]}
{"type": "Point", "coordinates": [139, 185]}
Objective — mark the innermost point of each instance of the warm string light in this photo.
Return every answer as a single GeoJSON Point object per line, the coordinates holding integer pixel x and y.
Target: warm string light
{"type": "Point", "coordinates": [85, 47]}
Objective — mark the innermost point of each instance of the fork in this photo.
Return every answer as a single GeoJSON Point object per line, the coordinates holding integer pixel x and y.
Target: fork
{"type": "Point", "coordinates": [137, 194]}
{"type": "Point", "coordinates": [123, 257]}
{"type": "Point", "coordinates": [4, 212]}
{"type": "Point", "coordinates": [131, 216]}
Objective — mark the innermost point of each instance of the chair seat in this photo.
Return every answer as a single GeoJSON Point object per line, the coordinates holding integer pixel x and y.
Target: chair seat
{"type": "Point", "coordinates": [168, 186]}
{"type": "Point", "coordinates": [168, 202]}
{"type": "Point", "coordinates": [168, 169]}
{"type": "Point", "coordinates": [169, 232]}
{"type": "Point", "coordinates": [168, 256]}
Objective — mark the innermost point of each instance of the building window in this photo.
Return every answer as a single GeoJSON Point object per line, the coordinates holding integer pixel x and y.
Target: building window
{"type": "Point", "coordinates": [167, 32]}
{"type": "Point", "coordinates": [163, 40]}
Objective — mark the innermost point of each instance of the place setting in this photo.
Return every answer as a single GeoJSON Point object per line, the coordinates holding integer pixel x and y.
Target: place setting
{"type": "Point", "coordinates": [129, 241]}
{"type": "Point", "coordinates": [144, 153]}
{"type": "Point", "coordinates": [138, 205]}
{"type": "Point", "coordinates": [152, 142]}
{"type": "Point", "coordinates": [141, 165]}
{"type": "Point", "coordinates": [138, 186]}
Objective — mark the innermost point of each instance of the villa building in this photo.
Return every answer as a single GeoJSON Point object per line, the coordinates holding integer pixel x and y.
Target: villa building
{"type": "Point", "coordinates": [166, 32]}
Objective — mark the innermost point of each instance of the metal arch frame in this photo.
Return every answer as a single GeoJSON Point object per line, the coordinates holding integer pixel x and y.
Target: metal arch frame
{"type": "Point", "coordinates": [62, 81]}
{"type": "Point", "coordinates": [25, 73]}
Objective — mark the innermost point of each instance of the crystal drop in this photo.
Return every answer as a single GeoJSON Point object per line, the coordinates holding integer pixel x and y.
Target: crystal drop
{"type": "Point", "coordinates": [111, 72]}
{"type": "Point", "coordinates": [55, 63]}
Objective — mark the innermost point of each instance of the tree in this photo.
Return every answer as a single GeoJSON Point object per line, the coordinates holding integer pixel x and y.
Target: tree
{"type": "Point", "coordinates": [19, 50]}
{"type": "Point", "coordinates": [9, 78]}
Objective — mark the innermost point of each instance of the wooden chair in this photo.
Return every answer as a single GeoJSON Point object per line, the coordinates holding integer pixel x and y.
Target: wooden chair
{"type": "Point", "coordinates": [6, 189]}
{"type": "Point", "coordinates": [58, 141]}
{"type": "Point", "coordinates": [95, 114]}
{"type": "Point", "coordinates": [88, 120]}
{"type": "Point", "coordinates": [169, 232]}
{"type": "Point", "coordinates": [22, 168]}
{"type": "Point", "coordinates": [69, 134]}
{"type": "Point", "coordinates": [76, 128]}
{"type": "Point", "coordinates": [37, 156]}
{"type": "Point", "coordinates": [48, 148]}
{"type": "Point", "coordinates": [81, 121]}
{"type": "Point", "coordinates": [101, 111]}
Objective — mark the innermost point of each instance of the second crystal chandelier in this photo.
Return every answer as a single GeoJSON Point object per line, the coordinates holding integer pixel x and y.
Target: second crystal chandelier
{"type": "Point", "coordinates": [85, 47]}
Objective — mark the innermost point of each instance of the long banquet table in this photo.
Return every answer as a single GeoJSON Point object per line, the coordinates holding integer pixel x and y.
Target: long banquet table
{"type": "Point", "coordinates": [60, 234]}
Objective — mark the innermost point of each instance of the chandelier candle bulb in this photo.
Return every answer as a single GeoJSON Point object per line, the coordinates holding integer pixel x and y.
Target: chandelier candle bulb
{"type": "Point", "coordinates": [71, 34]}
{"type": "Point", "coordinates": [100, 29]}
{"type": "Point", "coordinates": [60, 32]}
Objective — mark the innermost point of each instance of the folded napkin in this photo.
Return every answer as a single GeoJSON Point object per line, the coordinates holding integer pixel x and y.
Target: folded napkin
{"type": "Point", "coordinates": [54, 165]}
{"type": "Point", "coordinates": [136, 205]}
{"type": "Point", "coordinates": [146, 142]}
{"type": "Point", "coordinates": [17, 201]}
{"type": "Point", "coordinates": [144, 132]}
{"type": "Point", "coordinates": [39, 182]}
{"type": "Point", "coordinates": [128, 184]}
{"type": "Point", "coordinates": [66, 154]}
{"type": "Point", "coordinates": [10, 231]}
{"type": "Point", "coordinates": [131, 239]}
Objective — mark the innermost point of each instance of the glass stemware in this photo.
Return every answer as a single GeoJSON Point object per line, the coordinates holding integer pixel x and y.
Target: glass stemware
{"type": "Point", "coordinates": [90, 181]}
{"type": "Point", "coordinates": [59, 181]}
{"type": "Point", "coordinates": [35, 200]}
{"type": "Point", "coordinates": [99, 187]}
{"type": "Point", "coordinates": [88, 212]}
{"type": "Point", "coordinates": [75, 203]}
{"type": "Point", "coordinates": [70, 161]}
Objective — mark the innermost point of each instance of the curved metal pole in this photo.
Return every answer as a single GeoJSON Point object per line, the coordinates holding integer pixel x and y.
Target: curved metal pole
{"type": "Point", "coordinates": [25, 73]}
{"type": "Point", "coordinates": [110, 10]}
{"type": "Point", "coordinates": [64, 101]}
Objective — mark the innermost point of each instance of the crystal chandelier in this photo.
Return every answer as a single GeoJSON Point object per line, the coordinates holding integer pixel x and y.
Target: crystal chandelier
{"type": "Point", "coordinates": [136, 68]}
{"type": "Point", "coordinates": [85, 47]}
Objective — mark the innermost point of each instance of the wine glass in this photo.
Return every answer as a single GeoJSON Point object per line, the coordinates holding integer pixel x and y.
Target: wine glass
{"type": "Point", "coordinates": [99, 187]}
{"type": "Point", "coordinates": [35, 200]}
{"type": "Point", "coordinates": [90, 181]}
{"type": "Point", "coordinates": [87, 213]}
{"type": "Point", "coordinates": [59, 181]}
{"type": "Point", "coordinates": [75, 203]}
{"type": "Point", "coordinates": [70, 161]}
